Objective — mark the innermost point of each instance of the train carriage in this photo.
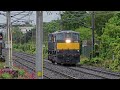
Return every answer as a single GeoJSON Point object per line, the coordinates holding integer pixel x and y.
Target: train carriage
{"type": "Point", "coordinates": [64, 47]}
{"type": "Point", "coordinates": [2, 58]}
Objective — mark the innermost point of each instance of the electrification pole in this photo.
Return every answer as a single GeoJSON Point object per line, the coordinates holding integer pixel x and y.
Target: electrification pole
{"type": "Point", "coordinates": [9, 62]}
{"type": "Point", "coordinates": [39, 44]}
{"type": "Point", "coordinates": [61, 22]}
{"type": "Point", "coordinates": [93, 27]}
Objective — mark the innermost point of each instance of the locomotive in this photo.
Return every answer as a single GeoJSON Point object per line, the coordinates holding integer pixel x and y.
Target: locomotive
{"type": "Point", "coordinates": [64, 47]}
{"type": "Point", "coordinates": [2, 58]}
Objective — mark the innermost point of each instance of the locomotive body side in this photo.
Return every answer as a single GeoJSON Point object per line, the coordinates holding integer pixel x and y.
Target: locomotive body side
{"type": "Point", "coordinates": [2, 58]}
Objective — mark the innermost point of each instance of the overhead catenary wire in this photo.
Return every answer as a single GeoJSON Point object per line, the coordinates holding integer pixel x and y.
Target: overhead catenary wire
{"type": "Point", "coordinates": [20, 18]}
{"type": "Point", "coordinates": [17, 14]}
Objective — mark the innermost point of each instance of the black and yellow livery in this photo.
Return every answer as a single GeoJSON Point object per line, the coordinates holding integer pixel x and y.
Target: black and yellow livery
{"type": "Point", "coordinates": [64, 47]}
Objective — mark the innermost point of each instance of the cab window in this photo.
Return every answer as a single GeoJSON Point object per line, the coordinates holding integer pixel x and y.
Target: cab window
{"type": "Point", "coordinates": [75, 36]}
{"type": "Point", "coordinates": [50, 37]}
{"type": "Point", "coordinates": [60, 36]}
{"type": "Point", "coordinates": [68, 35]}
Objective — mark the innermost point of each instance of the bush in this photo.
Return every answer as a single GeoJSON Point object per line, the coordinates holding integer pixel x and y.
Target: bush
{"type": "Point", "coordinates": [84, 60]}
{"type": "Point", "coordinates": [94, 53]}
{"type": "Point", "coordinates": [111, 38]}
{"type": "Point", "coordinates": [106, 63]}
{"type": "Point", "coordinates": [96, 60]}
{"type": "Point", "coordinates": [87, 61]}
{"type": "Point", "coordinates": [6, 76]}
{"type": "Point", "coordinates": [114, 65]}
{"type": "Point", "coordinates": [21, 72]}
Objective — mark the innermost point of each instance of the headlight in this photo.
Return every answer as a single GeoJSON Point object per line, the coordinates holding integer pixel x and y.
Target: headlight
{"type": "Point", "coordinates": [78, 50]}
{"type": "Point", "coordinates": [68, 41]}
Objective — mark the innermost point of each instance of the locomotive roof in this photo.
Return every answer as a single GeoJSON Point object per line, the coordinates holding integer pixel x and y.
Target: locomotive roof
{"type": "Point", "coordinates": [64, 31]}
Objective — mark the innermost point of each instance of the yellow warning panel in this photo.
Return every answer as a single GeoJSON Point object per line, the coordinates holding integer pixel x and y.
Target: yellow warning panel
{"type": "Point", "coordinates": [39, 74]}
{"type": "Point", "coordinates": [68, 46]}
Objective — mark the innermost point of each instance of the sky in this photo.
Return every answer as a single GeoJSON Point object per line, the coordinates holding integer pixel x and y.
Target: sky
{"type": "Point", "coordinates": [46, 16]}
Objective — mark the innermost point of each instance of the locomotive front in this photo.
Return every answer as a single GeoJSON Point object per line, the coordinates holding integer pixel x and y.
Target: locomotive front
{"type": "Point", "coordinates": [68, 47]}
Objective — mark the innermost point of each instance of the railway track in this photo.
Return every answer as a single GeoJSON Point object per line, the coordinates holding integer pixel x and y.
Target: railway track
{"type": "Point", "coordinates": [117, 75]}
{"type": "Point", "coordinates": [66, 76]}
{"type": "Point", "coordinates": [29, 64]}
{"type": "Point", "coordinates": [70, 77]}
{"type": "Point", "coordinates": [53, 73]}
{"type": "Point", "coordinates": [90, 73]}
{"type": "Point", "coordinates": [102, 74]}
{"type": "Point", "coordinates": [29, 68]}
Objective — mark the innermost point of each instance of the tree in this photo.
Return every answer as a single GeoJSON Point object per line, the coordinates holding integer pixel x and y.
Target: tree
{"type": "Point", "coordinates": [16, 34]}
{"type": "Point", "coordinates": [49, 27]}
{"type": "Point", "coordinates": [85, 33]}
{"type": "Point", "coordinates": [101, 18]}
{"type": "Point", "coordinates": [111, 37]}
{"type": "Point", "coordinates": [71, 20]}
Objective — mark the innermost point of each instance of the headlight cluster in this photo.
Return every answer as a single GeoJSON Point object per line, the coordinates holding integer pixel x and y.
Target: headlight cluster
{"type": "Point", "coordinates": [68, 41]}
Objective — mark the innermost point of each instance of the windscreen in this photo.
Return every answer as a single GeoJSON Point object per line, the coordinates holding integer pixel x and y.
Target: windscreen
{"type": "Point", "coordinates": [68, 35]}
{"type": "Point", "coordinates": [75, 36]}
{"type": "Point", "coordinates": [60, 36]}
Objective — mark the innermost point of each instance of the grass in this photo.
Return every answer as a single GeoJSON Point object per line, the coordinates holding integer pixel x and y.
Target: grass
{"type": "Point", "coordinates": [113, 65]}
{"type": "Point", "coordinates": [22, 74]}
{"type": "Point", "coordinates": [6, 76]}
{"type": "Point", "coordinates": [2, 64]}
{"type": "Point", "coordinates": [83, 60]}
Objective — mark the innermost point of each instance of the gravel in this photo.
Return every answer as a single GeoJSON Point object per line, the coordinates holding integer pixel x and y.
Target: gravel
{"type": "Point", "coordinates": [100, 69]}
{"type": "Point", "coordinates": [61, 72]}
{"type": "Point", "coordinates": [96, 72]}
{"type": "Point", "coordinates": [71, 72]}
{"type": "Point", "coordinates": [53, 75]}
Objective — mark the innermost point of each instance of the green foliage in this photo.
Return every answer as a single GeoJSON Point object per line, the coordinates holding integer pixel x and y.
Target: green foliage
{"type": "Point", "coordinates": [94, 53]}
{"type": "Point", "coordinates": [72, 19]}
{"type": "Point", "coordinates": [86, 61]}
{"type": "Point", "coordinates": [114, 65]}
{"type": "Point", "coordinates": [2, 65]}
{"type": "Point", "coordinates": [93, 61]}
{"type": "Point", "coordinates": [96, 60]}
{"type": "Point", "coordinates": [30, 48]}
{"type": "Point", "coordinates": [85, 33]}
{"type": "Point", "coordinates": [111, 37]}
{"type": "Point", "coordinates": [17, 34]}
{"type": "Point", "coordinates": [21, 72]}
{"type": "Point", "coordinates": [27, 47]}
{"type": "Point", "coordinates": [51, 26]}
{"type": "Point", "coordinates": [6, 76]}
{"type": "Point", "coordinates": [101, 18]}
{"type": "Point", "coordinates": [116, 52]}
{"type": "Point", "coordinates": [83, 60]}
